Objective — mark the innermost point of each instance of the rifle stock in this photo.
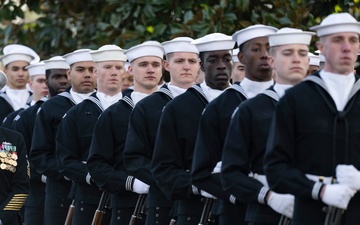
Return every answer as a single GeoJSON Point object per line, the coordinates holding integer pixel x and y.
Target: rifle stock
{"type": "Point", "coordinates": [205, 216]}
{"type": "Point", "coordinates": [284, 220]}
{"type": "Point", "coordinates": [70, 213]}
{"type": "Point", "coordinates": [100, 211]}
{"type": "Point", "coordinates": [333, 215]}
{"type": "Point", "coordinates": [139, 209]}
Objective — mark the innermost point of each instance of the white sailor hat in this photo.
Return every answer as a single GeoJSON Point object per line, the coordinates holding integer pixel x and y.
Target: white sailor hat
{"type": "Point", "coordinates": [335, 23]}
{"type": "Point", "coordinates": [321, 56]}
{"type": "Point", "coordinates": [179, 44]}
{"type": "Point", "coordinates": [80, 55]}
{"type": "Point", "coordinates": [286, 36]}
{"type": "Point", "coordinates": [235, 55]}
{"type": "Point", "coordinates": [36, 68]}
{"type": "Point", "coordinates": [3, 79]}
{"type": "Point", "coordinates": [314, 59]}
{"type": "Point", "coordinates": [252, 32]}
{"type": "Point", "coordinates": [147, 48]}
{"type": "Point", "coordinates": [56, 62]}
{"type": "Point", "coordinates": [214, 42]}
{"type": "Point", "coordinates": [17, 52]}
{"type": "Point", "coordinates": [127, 64]}
{"type": "Point", "coordinates": [108, 53]}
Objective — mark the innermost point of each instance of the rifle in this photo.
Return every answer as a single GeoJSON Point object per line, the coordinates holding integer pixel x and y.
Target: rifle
{"type": "Point", "coordinates": [333, 215]}
{"type": "Point", "coordinates": [205, 216]}
{"type": "Point", "coordinates": [100, 211]}
{"type": "Point", "coordinates": [284, 220]}
{"type": "Point", "coordinates": [70, 213]}
{"type": "Point", "coordinates": [139, 209]}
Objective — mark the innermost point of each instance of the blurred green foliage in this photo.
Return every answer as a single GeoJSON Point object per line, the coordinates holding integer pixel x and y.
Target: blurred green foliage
{"type": "Point", "coordinates": [62, 26]}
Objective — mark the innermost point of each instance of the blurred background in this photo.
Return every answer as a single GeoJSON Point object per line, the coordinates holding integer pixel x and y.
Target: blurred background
{"type": "Point", "coordinates": [56, 27]}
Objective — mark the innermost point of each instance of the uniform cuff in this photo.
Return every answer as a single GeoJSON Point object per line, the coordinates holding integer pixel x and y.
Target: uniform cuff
{"type": "Point", "coordinates": [43, 179]}
{"type": "Point", "coordinates": [232, 199]}
{"type": "Point", "coordinates": [88, 178]}
{"type": "Point", "coordinates": [195, 190]}
{"type": "Point", "coordinates": [262, 195]}
{"type": "Point", "coordinates": [315, 194]}
{"type": "Point", "coordinates": [129, 183]}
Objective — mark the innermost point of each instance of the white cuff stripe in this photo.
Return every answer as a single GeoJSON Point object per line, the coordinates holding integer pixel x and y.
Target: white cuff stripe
{"type": "Point", "coordinates": [128, 183]}
{"type": "Point", "coordinates": [43, 178]}
{"type": "Point", "coordinates": [316, 190]}
{"type": "Point", "coordinates": [232, 199]}
{"type": "Point", "coordinates": [88, 178]}
{"type": "Point", "coordinates": [262, 195]}
{"type": "Point", "coordinates": [195, 190]}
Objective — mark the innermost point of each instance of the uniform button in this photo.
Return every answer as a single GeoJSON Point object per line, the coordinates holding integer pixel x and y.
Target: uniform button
{"type": "Point", "coordinates": [118, 218]}
{"type": "Point", "coordinates": [157, 208]}
{"type": "Point", "coordinates": [157, 215]}
{"type": "Point", "coordinates": [61, 205]}
{"type": "Point", "coordinates": [188, 219]}
{"type": "Point", "coordinates": [157, 222]}
{"type": "Point", "coordinates": [81, 209]}
{"type": "Point", "coordinates": [119, 211]}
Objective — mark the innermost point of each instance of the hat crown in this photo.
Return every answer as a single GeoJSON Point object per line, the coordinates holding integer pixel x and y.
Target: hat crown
{"type": "Point", "coordinates": [36, 68]}
{"type": "Point", "coordinates": [252, 32]}
{"type": "Point", "coordinates": [214, 42]}
{"type": "Point", "coordinates": [212, 37]}
{"type": "Point", "coordinates": [179, 44]}
{"type": "Point", "coordinates": [110, 47]}
{"type": "Point", "coordinates": [108, 53]}
{"type": "Point", "coordinates": [79, 55]}
{"type": "Point", "coordinates": [147, 48]}
{"type": "Point", "coordinates": [338, 18]}
{"type": "Point", "coordinates": [286, 36]}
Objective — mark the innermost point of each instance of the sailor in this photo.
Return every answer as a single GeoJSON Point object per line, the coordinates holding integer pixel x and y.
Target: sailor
{"type": "Point", "coordinates": [183, 65]}
{"type": "Point", "coordinates": [105, 161]}
{"type": "Point", "coordinates": [216, 117]}
{"type": "Point", "coordinates": [43, 146]}
{"type": "Point", "coordinates": [56, 79]}
{"type": "Point", "coordinates": [176, 136]}
{"type": "Point", "coordinates": [15, 94]}
{"type": "Point", "coordinates": [314, 133]}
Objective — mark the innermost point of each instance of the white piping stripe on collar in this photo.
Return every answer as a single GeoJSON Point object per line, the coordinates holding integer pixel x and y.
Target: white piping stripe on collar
{"type": "Point", "coordinates": [96, 101]}
{"type": "Point", "coordinates": [129, 101]}
{"type": "Point", "coordinates": [272, 94]}
{"type": "Point", "coordinates": [166, 91]}
{"type": "Point", "coordinates": [7, 99]}
{"type": "Point", "coordinates": [67, 95]}
{"type": "Point", "coordinates": [355, 88]}
{"type": "Point", "coordinates": [200, 90]}
{"type": "Point", "coordinates": [240, 89]}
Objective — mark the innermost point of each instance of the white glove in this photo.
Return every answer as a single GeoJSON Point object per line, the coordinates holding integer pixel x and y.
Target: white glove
{"type": "Point", "coordinates": [140, 187]}
{"type": "Point", "coordinates": [206, 194]}
{"type": "Point", "coordinates": [348, 175]}
{"type": "Point", "coordinates": [217, 168]}
{"type": "Point", "coordinates": [282, 203]}
{"type": "Point", "coordinates": [337, 195]}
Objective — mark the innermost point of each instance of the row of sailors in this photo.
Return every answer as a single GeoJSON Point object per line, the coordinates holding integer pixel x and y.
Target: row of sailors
{"type": "Point", "coordinates": [185, 141]}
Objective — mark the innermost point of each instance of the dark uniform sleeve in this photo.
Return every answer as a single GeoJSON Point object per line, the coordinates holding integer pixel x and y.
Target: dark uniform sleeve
{"type": "Point", "coordinates": [207, 154]}
{"type": "Point", "coordinates": [18, 182]}
{"type": "Point", "coordinates": [138, 153]}
{"type": "Point", "coordinates": [69, 149]}
{"type": "Point", "coordinates": [6, 108]}
{"type": "Point", "coordinates": [236, 158]}
{"type": "Point", "coordinates": [281, 173]}
{"type": "Point", "coordinates": [42, 153]}
{"type": "Point", "coordinates": [21, 125]}
{"type": "Point", "coordinates": [105, 161]}
{"type": "Point", "coordinates": [167, 163]}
